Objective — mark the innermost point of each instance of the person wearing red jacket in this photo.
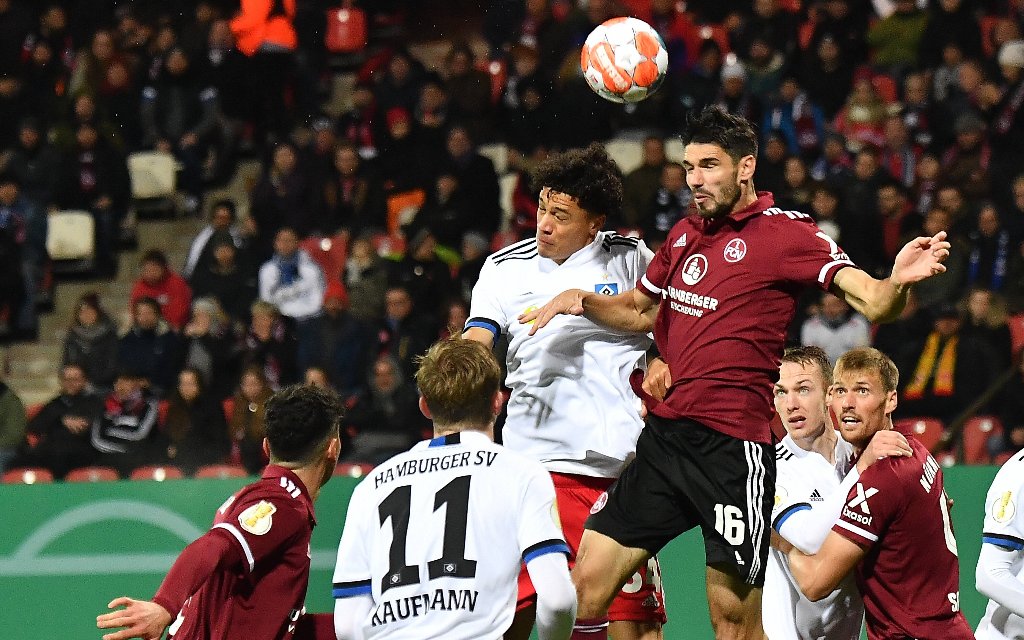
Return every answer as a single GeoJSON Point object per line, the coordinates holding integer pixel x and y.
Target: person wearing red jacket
{"type": "Point", "coordinates": [159, 282]}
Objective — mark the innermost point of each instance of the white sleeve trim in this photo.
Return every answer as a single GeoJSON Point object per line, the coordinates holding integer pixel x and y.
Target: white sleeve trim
{"type": "Point", "coordinates": [825, 269]}
{"type": "Point", "coordinates": [647, 283]}
{"type": "Point", "coordinates": [857, 530]}
{"type": "Point", "coordinates": [241, 540]}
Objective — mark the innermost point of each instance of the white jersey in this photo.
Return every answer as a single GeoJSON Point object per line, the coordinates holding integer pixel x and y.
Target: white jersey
{"type": "Point", "coordinates": [437, 535]}
{"type": "Point", "coordinates": [1004, 527]}
{"type": "Point", "coordinates": [571, 406]}
{"type": "Point", "coordinates": [804, 482]}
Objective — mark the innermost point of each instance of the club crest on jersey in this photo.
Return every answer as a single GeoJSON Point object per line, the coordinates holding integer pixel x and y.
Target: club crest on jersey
{"type": "Point", "coordinates": [694, 269]}
{"type": "Point", "coordinates": [606, 288]}
{"type": "Point", "coordinates": [1003, 509]}
{"type": "Point", "coordinates": [735, 250]}
{"type": "Point", "coordinates": [599, 504]}
{"type": "Point", "coordinates": [258, 518]}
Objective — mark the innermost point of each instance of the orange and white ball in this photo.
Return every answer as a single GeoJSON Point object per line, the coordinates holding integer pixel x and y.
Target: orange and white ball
{"type": "Point", "coordinates": [624, 60]}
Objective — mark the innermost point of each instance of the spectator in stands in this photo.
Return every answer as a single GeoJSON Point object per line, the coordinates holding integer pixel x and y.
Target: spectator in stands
{"type": "Point", "coordinates": [366, 278]}
{"type": "Point", "coordinates": [222, 226]}
{"type": "Point", "coordinates": [194, 431]}
{"type": "Point", "coordinates": [477, 178]}
{"type": "Point", "coordinates": [353, 195]}
{"type": "Point", "coordinates": [640, 185]}
{"type": "Point", "coordinates": [834, 166]}
{"type": "Point", "coordinates": [224, 69]}
{"type": "Point", "coordinates": [159, 282]}
{"type": "Point", "coordinates": [859, 215]}
{"type": "Point", "coordinates": [734, 94]}
{"type": "Point", "coordinates": [475, 248]}
{"type": "Point", "coordinates": [401, 152]}
{"type": "Point", "coordinates": [317, 377]}
{"type": "Point", "coordinates": [94, 178]}
{"type": "Point", "coordinates": [420, 272]}
{"type": "Point", "coordinates": [898, 220]}
{"type": "Point", "coordinates": [265, 33]}
{"type": "Point", "coordinates": [918, 111]}
{"type": "Point", "coordinates": [281, 198]}
{"type": "Point", "coordinates": [399, 85]}
{"type": "Point", "coordinates": [950, 22]}
{"type": "Point", "coordinates": [404, 334]}
{"type": "Point", "coordinates": [989, 250]}
{"type": "Point", "coordinates": [799, 191]}
{"type": "Point", "coordinates": [801, 122]}
{"type": "Point", "coordinates": [898, 155]}
{"type": "Point", "coordinates": [230, 283]}
{"type": "Point", "coordinates": [179, 115]}
{"type": "Point", "coordinates": [824, 208]}
{"type": "Point", "coordinates": [933, 292]}
{"type": "Point", "coordinates": [963, 99]}
{"type": "Point", "coordinates": [292, 281]}
{"type": "Point", "coordinates": [35, 163]}
{"type": "Point", "coordinates": [84, 110]}
{"type": "Point", "coordinates": [669, 204]}
{"type": "Point", "coordinates": [386, 417]}
{"type": "Point", "coordinates": [432, 115]}
{"type": "Point", "coordinates": [91, 64]}
{"type": "Point", "coordinates": [12, 425]}
{"type": "Point", "coordinates": [270, 345]}
{"type": "Point", "coordinates": [985, 319]}
{"type": "Point", "coordinates": [119, 99]}
{"type": "Point", "coordinates": [59, 436]}
{"type": "Point", "coordinates": [455, 314]}
{"type": "Point", "coordinates": [771, 165]}
{"type": "Point", "coordinates": [361, 124]}
{"type": "Point", "coordinates": [903, 338]}
{"type": "Point", "coordinates": [1011, 414]}
{"type": "Point", "coordinates": [950, 372]}
{"type": "Point", "coordinates": [22, 255]}
{"type": "Point", "coordinates": [91, 343]}
{"type": "Point", "coordinates": [126, 434]}
{"type": "Point", "coordinates": [340, 344]}
{"type": "Point", "coordinates": [210, 347]}
{"type": "Point", "coordinates": [827, 76]}
{"type": "Point", "coordinates": [693, 88]}
{"type": "Point", "coordinates": [966, 163]}
{"type": "Point", "coordinates": [150, 349]}
{"type": "Point", "coordinates": [14, 105]}
{"type": "Point", "coordinates": [246, 427]}
{"type": "Point", "coordinates": [469, 89]}
{"type": "Point", "coordinates": [895, 40]}
{"type": "Point", "coordinates": [836, 328]}
{"type": "Point", "coordinates": [861, 119]}
{"type": "Point", "coordinates": [447, 211]}
{"type": "Point", "coordinates": [1007, 124]}
{"type": "Point", "coordinates": [765, 66]}
{"type": "Point", "coordinates": [531, 124]}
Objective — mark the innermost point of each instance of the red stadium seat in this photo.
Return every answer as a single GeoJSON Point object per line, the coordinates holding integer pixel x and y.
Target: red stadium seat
{"type": "Point", "coordinates": [977, 432]}
{"type": "Point", "coordinates": [330, 253]}
{"type": "Point", "coordinates": [161, 411]}
{"type": "Point", "coordinates": [928, 431]}
{"type": "Point", "coordinates": [1001, 458]}
{"type": "Point", "coordinates": [353, 469]}
{"type": "Point", "coordinates": [92, 474]}
{"type": "Point", "coordinates": [157, 472]}
{"type": "Point", "coordinates": [229, 408]}
{"type": "Point", "coordinates": [946, 459]}
{"type": "Point", "coordinates": [28, 475]}
{"type": "Point", "coordinates": [886, 87]}
{"type": "Point", "coordinates": [221, 471]}
{"type": "Point", "coordinates": [1016, 323]}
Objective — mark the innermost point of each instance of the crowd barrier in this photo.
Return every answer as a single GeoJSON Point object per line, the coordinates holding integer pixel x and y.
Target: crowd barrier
{"type": "Point", "coordinates": [68, 549]}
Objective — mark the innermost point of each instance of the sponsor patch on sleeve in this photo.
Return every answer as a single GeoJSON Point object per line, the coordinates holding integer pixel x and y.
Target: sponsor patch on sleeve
{"type": "Point", "coordinates": [1003, 509]}
{"type": "Point", "coordinates": [258, 518]}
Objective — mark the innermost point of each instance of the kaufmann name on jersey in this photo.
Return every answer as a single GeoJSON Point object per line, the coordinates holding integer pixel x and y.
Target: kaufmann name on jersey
{"type": "Point", "coordinates": [420, 604]}
{"type": "Point", "coordinates": [571, 405]}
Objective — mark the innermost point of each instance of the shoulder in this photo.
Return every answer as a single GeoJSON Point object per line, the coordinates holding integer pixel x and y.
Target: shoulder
{"type": "Point", "coordinates": [514, 254]}
{"type": "Point", "coordinates": [784, 221]}
{"type": "Point", "coordinates": [782, 452]}
{"type": "Point", "coordinates": [617, 244]}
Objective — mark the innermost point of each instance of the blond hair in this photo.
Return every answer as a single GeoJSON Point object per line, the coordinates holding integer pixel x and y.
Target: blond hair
{"type": "Point", "coordinates": [869, 359]}
{"type": "Point", "coordinates": [808, 355]}
{"type": "Point", "coordinates": [458, 379]}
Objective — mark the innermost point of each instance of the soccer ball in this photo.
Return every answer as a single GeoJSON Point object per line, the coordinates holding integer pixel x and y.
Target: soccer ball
{"type": "Point", "coordinates": [624, 60]}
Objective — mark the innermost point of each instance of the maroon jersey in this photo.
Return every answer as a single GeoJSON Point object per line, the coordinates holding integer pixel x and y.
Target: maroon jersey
{"type": "Point", "coordinates": [729, 288]}
{"type": "Point", "coordinates": [909, 578]}
{"type": "Point", "coordinates": [270, 521]}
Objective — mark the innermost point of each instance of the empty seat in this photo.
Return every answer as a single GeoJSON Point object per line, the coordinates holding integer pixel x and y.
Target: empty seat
{"type": "Point", "coordinates": [928, 431]}
{"type": "Point", "coordinates": [70, 240]}
{"type": "Point", "coordinates": [28, 475]}
{"type": "Point", "coordinates": [221, 471]}
{"type": "Point", "coordinates": [157, 472]}
{"type": "Point", "coordinates": [353, 469]}
{"type": "Point", "coordinates": [977, 432]}
{"type": "Point", "coordinates": [93, 474]}
{"type": "Point", "coordinates": [153, 176]}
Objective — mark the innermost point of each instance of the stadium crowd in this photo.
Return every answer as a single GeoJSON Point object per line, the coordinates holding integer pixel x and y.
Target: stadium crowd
{"type": "Point", "coordinates": [367, 230]}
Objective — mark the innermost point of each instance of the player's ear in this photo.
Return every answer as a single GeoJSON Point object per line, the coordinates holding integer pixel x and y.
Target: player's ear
{"type": "Point", "coordinates": [266, 448]}
{"type": "Point", "coordinates": [497, 403]}
{"type": "Point", "coordinates": [597, 223]}
{"type": "Point", "coordinates": [424, 409]}
{"type": "Point", "coordinates": [745, 168]}
{"type": "Point", "coordinates": [890, 402]}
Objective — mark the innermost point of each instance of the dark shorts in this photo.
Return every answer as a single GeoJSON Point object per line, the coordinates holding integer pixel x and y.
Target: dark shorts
{"type": "Point", "coordinates": [687, 475]}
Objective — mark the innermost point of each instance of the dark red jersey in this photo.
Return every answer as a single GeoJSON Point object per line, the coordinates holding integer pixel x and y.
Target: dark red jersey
{"type": "Point", "coordinates": [728, 290]}
{"type": "Point", "coordinates": [269, 522]}
{"type": "Point", "coordinates": [909, 578]}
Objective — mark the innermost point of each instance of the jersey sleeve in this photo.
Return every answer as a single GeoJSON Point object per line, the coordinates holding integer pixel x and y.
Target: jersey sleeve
{"type": "Point", "coordinates": [871, 504]}
{"type": "Point", "coordinates": [352, 572]}
{"type": "Point", "coordinates": [263, 525]}
{"type": "Point", "coordinates": [807, 255]}
{"type": "Point", "coordinates": [540, 531]}
{"type": "Point", "coordinates": [1004, 518]}
{"type": "Point", "coordinates": [790, 497]}
{"type": "Point", "coordinates": [658, 268]}
{"type": "Point", "coordinates": [486, 310]}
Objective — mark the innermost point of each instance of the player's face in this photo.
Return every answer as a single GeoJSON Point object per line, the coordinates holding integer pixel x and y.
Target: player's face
{"type": "Point", "coordinates": [800, 400]}
{"type": "Point", "coordinates": [563, 228]}
{"type": "Point", "coordinates": [862, 405]}
{"type": "Point", "coordinates": [713, 178]}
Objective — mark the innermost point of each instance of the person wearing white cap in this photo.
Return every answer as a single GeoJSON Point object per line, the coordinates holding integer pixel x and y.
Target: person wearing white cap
{"type": "Point", "coordinates": [1006, 130]}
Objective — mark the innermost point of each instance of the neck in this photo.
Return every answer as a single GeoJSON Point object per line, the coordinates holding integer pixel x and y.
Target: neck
{"type": "Point", "coordinates": [859, 448]}
{"type": "Point", "coordinates": [823, 444]}
{"type": "Point", "coordinates": [447, 430]}
{"type": "Point", "coordinates": [312, 476]}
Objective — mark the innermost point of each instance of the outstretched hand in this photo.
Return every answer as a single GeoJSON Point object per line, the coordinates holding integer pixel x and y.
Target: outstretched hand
{"type": "Point", "coordinates": [569, 302]}
{"type": "Point", "coordinates": [139, 619]}
{"type": "Point", "coordinates": [921, 258]}
{"type": "Point", "coordinates": [882, 445]}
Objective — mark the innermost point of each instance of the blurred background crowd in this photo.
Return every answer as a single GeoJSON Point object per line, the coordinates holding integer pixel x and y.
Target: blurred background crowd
{"type": "Point", "coordinates": [388, 173]}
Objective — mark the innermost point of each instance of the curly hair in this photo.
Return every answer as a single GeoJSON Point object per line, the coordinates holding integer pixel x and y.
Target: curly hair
{"type": "Point", "coordinates": [300, 421]}
{"type": "Point", "coordinates": [715, 125]}
{"type": "Point", "coordinates": [588, 175]}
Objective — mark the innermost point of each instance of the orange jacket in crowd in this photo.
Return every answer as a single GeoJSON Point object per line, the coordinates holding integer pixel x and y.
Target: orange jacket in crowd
{"type": "Point", "coordinates": [253, 26]}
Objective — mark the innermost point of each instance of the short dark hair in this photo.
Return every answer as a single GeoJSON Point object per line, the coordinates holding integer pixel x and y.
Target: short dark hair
{"type": "Point", "coordinates": [715, 125]}
{"type": "Point", "coordinates": [810, 355]}
{"type": "Point", "coordinates": [155, 256]}
{"type": "Point", "coordinates": [588, 175]}
{"type": "Point", "coordinates": [300, 420]}
{"type": "Point", "coordinates": [229, 205]}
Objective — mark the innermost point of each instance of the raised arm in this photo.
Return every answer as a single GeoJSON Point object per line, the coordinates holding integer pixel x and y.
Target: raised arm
{"type": "Point", "coordinates": [630, 310]}
{"type": "Point", "coordinates": [883, 300]}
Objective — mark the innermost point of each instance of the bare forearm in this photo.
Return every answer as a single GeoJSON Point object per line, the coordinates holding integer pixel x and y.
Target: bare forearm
{"type": "Point", "coordinates": [806, 571]}
{"type": "Point", "coordinates": [620, 312]}
{"type": "Point", "coordinates": [877, 300]}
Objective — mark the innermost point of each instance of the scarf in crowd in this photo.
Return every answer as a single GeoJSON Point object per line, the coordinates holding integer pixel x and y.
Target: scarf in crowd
{"type": "Point", "coordinates": [998, 263]}
{"type": "Point", "coordinates": [288, 267]}
{"type": "Point", "coordinates": [1009, 113]}
{"type": "Point", "coordinates": [934, 365]}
